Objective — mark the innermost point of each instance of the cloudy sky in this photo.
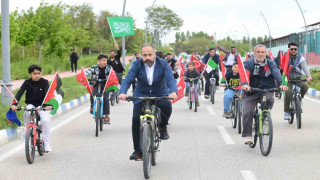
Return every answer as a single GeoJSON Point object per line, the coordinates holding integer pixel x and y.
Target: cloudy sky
{"type": "Point", "coordinates": [225, 17]}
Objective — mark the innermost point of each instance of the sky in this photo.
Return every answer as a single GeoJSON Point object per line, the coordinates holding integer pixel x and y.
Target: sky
{"type": "Point", "coordinates": [223, 17]}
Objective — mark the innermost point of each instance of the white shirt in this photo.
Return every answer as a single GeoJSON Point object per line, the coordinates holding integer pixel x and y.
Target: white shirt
{"type": "Point", "coordinates": [230, 60]}
{"type": "Point", "coordinates": [149, 71]}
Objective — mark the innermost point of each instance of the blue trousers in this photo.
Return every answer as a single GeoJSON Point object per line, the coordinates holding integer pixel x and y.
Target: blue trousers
{"type": "Point", "coordinates": [228, 95]}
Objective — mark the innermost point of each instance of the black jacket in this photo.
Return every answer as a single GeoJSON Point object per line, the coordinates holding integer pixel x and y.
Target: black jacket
{"type": "Point", "coordinates": [74, 57]}
{"type": "Point", "coordinates": [116, 64]}
{"type": "Point", "coordinates": [36, 91]}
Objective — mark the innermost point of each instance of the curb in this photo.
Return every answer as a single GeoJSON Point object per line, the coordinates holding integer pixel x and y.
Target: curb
{"type": "Point", "coordinates": [10, 134]}
{"type": "Point", "coordinates": [313, 93]}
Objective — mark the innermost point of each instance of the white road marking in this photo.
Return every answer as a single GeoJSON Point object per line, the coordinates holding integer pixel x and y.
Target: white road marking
{"type": "Point", "coordinates": [211, 111]}
{"type": "Point", "coordinates": [248, 175]}
{"type": "Point", "coordinates": [312, 99]}
{"type": "Point", "coordinates": [21, 146]}
{"type": "Point", "coordinates": [227, 138]}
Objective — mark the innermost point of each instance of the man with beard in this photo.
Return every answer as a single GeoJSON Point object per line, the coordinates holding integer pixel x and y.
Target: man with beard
{"type": "Point", "coordinates": [116, 64]}
{"type": "Point", "coordinates": [230, 58]}
{"type": "Point", "coordinates": [154, 79]}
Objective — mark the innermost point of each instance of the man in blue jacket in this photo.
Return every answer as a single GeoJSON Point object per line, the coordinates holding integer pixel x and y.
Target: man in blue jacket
{"type": "Point", "coordinates": [215, 73]}
{"type": "Point", "coordinates": [262, 73]}
{"type": "Point", "coordinates": [154, 79]}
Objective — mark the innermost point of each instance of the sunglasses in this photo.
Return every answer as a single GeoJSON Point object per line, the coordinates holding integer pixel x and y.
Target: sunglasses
{"type": "Point", "coordinates": [293, 49]}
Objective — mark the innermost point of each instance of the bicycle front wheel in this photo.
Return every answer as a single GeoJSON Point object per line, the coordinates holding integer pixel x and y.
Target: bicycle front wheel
{"type": "Point", "coordinates": [298, 112]}
{"type": "Point", "coordinates": [239, 114]}
{"type": "Point", "coordinates": [97, 116]}
{"type": "Point", "coordinates": [195, 101]}
{"type": "Point", "coordinates": [112, 99]}
{"type": "Point", "coordinates": [29, 146]}
{"type": "Point", "coordinates": [190, 101]}
{"type": "Point", "coordinates": [292, 112]}
{"type": "Point", "coordinates": [146, 150]}
{"type": "Point", "coordinates": [266, 136]}
{"type": "Point", "coordinates": [233, 114]}
{"type": "Point", "coordinates": [213, 87]}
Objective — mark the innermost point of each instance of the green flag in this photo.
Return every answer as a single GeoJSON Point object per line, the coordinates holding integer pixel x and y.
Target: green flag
{"type": "Point", "coordinates": [211, 65]}
{"type": "Point", "coordinates": [121, 26]}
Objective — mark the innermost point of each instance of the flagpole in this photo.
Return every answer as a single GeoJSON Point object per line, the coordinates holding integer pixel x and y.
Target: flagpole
{"type": "Point", "coordinates": [87, 81]}
{"type": "Point", "coordinates": [8, 90]}
{"type": "Point", "coordinates": [49, 88]}
{"type": "Point", "coordinates": [111, 32]}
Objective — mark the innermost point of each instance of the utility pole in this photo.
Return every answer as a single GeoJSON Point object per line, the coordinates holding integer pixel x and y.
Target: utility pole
{"type": "Point", "coordinates": [5, 40]}
{"type": "Point", "coordinates": [248, 37]}
{"type": "Point", "coordinates": [268, 29]}
{"type": "Point", "coordinates": [146, 29]}
{"type": "Point", "coordinates": [305, 25]}
{"type": "Point", "coordinates": [124, 39]}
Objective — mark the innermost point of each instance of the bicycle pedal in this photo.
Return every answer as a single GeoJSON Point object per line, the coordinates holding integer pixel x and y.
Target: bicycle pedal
{"type": "Point", "coordinates": [138, 159]}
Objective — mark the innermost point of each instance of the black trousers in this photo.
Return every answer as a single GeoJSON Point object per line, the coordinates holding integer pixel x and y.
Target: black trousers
{"type": "Point", "coordinates": [166, 109]}
{"type": "Point", "coordinates": [75, 66]}
{"type": "Point", "coordinates": [215, 74]}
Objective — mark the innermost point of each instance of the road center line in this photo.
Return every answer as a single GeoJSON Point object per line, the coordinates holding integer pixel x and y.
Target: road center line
{"type": "Point", "coordinates": [21, 146]}
{"type": "Point", "coordinates": [312, 99]}
{"type": "Point", "coordinates": [248, 175]}
{"type": "Point", "coordinates": [227, 138]}
{"type": "Point", "coordinates": [211, 111]}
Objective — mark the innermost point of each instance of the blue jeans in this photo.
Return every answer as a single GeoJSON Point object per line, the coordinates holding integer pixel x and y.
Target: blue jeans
{"type": "Point", "coordinates": [228, 95]}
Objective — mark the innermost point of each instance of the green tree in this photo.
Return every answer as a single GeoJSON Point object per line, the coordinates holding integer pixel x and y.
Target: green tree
{"type": "Point", "coordinates": [177, 37]}
{"type": "Point", "coordinates": [188, 36]}
{"type": "Point", "coordinates": [254, 41]}
{"type": "Point", "coordinates": [183, 37]}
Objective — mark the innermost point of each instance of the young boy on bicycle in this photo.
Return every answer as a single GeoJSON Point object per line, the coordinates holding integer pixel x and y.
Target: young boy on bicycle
{"type": "Point", "coordinates": [231, 84]}
{"type": "Point", "coordinates": [100, 71]}
{"type": "Point", "coordinates": [36, 89]}
{"type": "Point", "coordinates": [191, 73]}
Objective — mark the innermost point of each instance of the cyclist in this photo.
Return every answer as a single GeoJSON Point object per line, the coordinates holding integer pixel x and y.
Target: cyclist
{"type": "Point", "coordinates": [211, 55]}
{"type": "Point", "coordinates": [154, 78]}
{"type": "Point", "coordinates": [261, 73]}
{"type": "Point", "coordinates": [115, 63]}
{"type": "Point", "coordinates": [100, 71]}
{"type": "Point", "coordinates": [229, 58]}
{"type": "Point", "coordinates": [299, 67]}
{"type": "Point", "coordinates": [36, 89]}
{"type": "Point", "coordinates": [191, 73]}
{"type": "Point", "coordinates": [233, 82]}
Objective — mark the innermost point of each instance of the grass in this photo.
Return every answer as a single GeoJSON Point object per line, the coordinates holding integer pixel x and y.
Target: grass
{"type": "Point", "coordinates": [315, 84]}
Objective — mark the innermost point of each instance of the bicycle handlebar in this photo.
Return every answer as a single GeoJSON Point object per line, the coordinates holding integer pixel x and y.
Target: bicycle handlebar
{"type": "Point", "coordinates": [298, 80]}
{"type": "Point", "coordinates": [130, 98]}
{"type": "Point", "coordinates": [32, 109]}
{"type": "Point", "coordinates": [191, 79]}
{"type": "Point", "coordinates": [264, 90]}
{"type": "Point", "coordinates": [97, 80]}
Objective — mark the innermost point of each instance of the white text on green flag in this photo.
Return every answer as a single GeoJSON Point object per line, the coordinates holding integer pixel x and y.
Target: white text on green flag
{"type": "Point", "coordinates": [121, 26]}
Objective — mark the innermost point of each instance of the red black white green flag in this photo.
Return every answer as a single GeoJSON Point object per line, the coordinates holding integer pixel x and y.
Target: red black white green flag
{"type": "Point", "coordinates": [243, 73]}
{"type": "Point", "coordinates": [286, 68]}
{"type": "Point", "coordinates": [54, 95]}
{"type": "Point", "coordinates": [112, 82]}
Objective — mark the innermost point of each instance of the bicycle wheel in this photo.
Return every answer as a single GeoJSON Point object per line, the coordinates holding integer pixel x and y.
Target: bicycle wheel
{"type": "Point", "coordinates": [255, 131]}
{"type": "Point", "coordinates": [97, 116]}
{"type": "Point", "coordinates": [117, 99]}
{"type": "Point", "coordinates": [199, 88]}
{"type": "Point", "coordinates": [233, 114]}
{"type": "Point", "coordinates": [112, 99]}
{"type": "Point", "coordinates": [280, 94]}
{"type": "Point", "coordinates": [195, 100]}
{"type": "Point", "coordinates": [213, 92]}
{"type": "Point", "coordinates": [29, 146]}
{"type": "Point", "coordinates": [292, 112]}
{"type": "Point", "coordinates": [266, 136]}
{"type": "Point", "coordinates": [40, 144]}
{"type": "Point", "coordinates": [298, 112]}
{"type": "Point", "coordinates": [146, 150]}
{"type": "Point", "coordinates": [190, 101]}
{"type": "Point", "coordinates": [239, 114]}
{"type": "Point", "coordinates": [153, 148]}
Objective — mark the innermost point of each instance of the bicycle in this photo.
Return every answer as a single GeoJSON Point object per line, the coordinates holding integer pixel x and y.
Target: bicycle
{"type": "Point", "coordinates": [149, 131]}
{"type": "Point", "coordinates": [33, 133]}
{"type": "Point", "coordinates": [193, 94]}
{"type": "Point", "coordinates": [199, 88]}
{"type": "Point", "coordinates": [98, 105]}
{"type": "Point", "coordinates": [262, 124]}
{"type": "Point", "coordinates": [236, 111]}
{"type": "Point", "coordinates": [113, 97]}
{"type": "Point", "coordinates": [212, 88]}
{"type": "Point", "coordinates": [295, 103]}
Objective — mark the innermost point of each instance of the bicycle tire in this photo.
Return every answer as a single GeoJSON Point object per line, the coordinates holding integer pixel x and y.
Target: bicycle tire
{"type": "Point", "coordinates": [146, 151]}
{"type": "Point", "coordinates": [255, 133]}
{"type": "Point", "coordinates": [239, 114]}
{"type": "Point", "coordinates": [153, 149]}
{"type": "Point", "coordinates": [280, 94]}
{"type": "Point", "coordinates": [29, 146]}
{"type": "Point", "coordinates": [213, 92]}
{"type": "Point", "coordinates": [112, 99]}
{"type": "Point", "coordinates": [266, 144]}
{"type": "Point", "coordinates": [117, 99]}
{"type": "Point", "coordinates": [40, 145]}
{"type": "Point", "coordinates": [195, 101]}
{"type": "Point", "coordinates": [292, 110]}
{"type": "Point", "coordinates": [298, 112]}
{"type": "Point", "coordinates": [97, 116]}
{"type": "Point", "coordinates": [233, 115]}
{"type": "Point", "coordinates": [190, 101]}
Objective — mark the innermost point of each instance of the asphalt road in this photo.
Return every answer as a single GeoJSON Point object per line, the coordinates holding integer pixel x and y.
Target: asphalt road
{"type": "Point", "coordinates": [202, 145]}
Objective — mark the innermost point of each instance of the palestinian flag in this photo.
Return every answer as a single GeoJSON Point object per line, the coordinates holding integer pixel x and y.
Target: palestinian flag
{"type": "Point", "coordinates": [221, 57]}
{"type": "Point", "coordinates": [82, 78]}
{"type": "Point", "coordinates": [286, 69]}
{"type": "Point", "coordinates": [198, 63]}
{"type": "Point", "coordinates": [54, 95]}
{"type": "Point", "coordinates": [213, 40]}
{"type": "Point", "coordinates": [223, 72]}
{"type": "Point", "coordinates": [211, 65]}
{"type": "Point", "coordinates": [112, 82]}
{"type": "Point", "coordinates": [170, 48]}
{"type": "Point", "coordinates": [243, 73]}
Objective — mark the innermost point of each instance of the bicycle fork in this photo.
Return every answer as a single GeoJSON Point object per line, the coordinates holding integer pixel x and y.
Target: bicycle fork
{"type": "Point", "coordinates": [95, 106]}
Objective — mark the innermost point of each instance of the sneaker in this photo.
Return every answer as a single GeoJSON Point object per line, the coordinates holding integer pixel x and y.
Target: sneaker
{"type": "Point", "coordinates": [106, 119]}
{"type": "Point", "coordinates": [91, 110]}
{"type": "Point", "coordinates": [164, 134]}
{"type": "Point", "coordinates": [248, 140]}
{"type": "Point", "coordinates": [198, 104]}
{"type": "Point", "coordinates": [136, 155]}
{"type": "Point", "coordinates": [206, 96]}
{"type": "Point", "coordinates": [47, 147]}
{"type": "Point", "coordinates": [226, 114]}
{"type": "Point", "coordinates": [287, 116]}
